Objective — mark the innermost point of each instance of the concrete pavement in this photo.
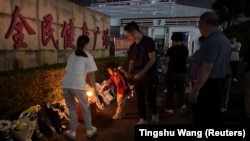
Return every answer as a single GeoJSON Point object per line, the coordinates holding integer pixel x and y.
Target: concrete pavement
{"type": "Point", "coordinates": [123, 129]}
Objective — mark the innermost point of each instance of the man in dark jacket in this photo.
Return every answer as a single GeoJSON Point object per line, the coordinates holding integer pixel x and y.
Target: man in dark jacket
{"type": "Point", "coordinates": [142, 63]}
{"type": "Point", "coordinates": [176, 67]}
{"type": "Point", "coordinates": [213, 60]}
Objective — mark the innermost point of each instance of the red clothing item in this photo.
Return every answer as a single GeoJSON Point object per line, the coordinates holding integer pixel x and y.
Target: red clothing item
{"type": "Point", "coordinates": [120, 83]}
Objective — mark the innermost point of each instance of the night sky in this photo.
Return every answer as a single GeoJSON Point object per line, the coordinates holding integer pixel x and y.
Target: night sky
{"type": "Point", "coordinates": [82, 2]}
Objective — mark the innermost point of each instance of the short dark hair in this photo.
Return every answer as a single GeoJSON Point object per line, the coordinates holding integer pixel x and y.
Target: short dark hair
{"type": "Point", "coordinates": [177, 37]}
{"type": "Point", "coordinates": [211, 18]}
{"type": "Point", "coordinates": [111, 65]}
{"type": "Point", "coordinates": [232, 36]}
{"type": "Point", "coordinates": [201, 39]}
{"type": "Point", "coordinates": [132, 27]}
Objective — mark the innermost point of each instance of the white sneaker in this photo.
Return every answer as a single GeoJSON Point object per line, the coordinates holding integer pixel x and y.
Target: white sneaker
{"type": "Point", "coordinates": [91, 132]}
{"type": "Point", "coordinates": [117, 117]}
{"type": "Point", "coordinates": [184, 109]}
{"type": "Point", "coordinates": [165, 91]}
{"type": "Point", "coordinates": [155, 119]}
{"type": "Point", "coordinates": [141, 122]}
{"type": "Point", "coordinates": [235, 80]}
{"type": "Point", "coordinates": [170, 111]}
{"type": "Point", "coordinates": [223, 110]}
{"type": "Point", "coordinates": [70, 134]}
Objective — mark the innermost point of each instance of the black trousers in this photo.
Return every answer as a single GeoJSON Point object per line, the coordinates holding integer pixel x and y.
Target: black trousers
{"type": "Point", "coordinates": [175, 83]}
{"type": "Point", "coordinates": [207, 109]}
{"type": "Point", "coordinates": [234, 65]}
{"type": "Point", "coordinates": [146, 92]}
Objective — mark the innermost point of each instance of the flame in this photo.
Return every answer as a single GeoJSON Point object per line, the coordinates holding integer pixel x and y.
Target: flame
{"type": "Point", "coordinates": [91, 97]}
{"type": "Point", "coordinates": [89, 93]}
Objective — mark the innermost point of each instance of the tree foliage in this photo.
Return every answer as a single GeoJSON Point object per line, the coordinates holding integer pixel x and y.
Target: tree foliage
{"type": "Point", "coordinates": [230, 10]}
{"type": "Point", "coordinates": [242, 32]}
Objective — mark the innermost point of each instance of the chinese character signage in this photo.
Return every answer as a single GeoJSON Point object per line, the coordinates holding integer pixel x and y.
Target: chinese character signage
{"type": "Point", "coordinates": [19, 24]}
{"type": "Point", "coordinates": [68, 34]}
{"type": "Point", "coordinates": [48, 31]}
{"type": "Point", "coordinates": [106, 38]}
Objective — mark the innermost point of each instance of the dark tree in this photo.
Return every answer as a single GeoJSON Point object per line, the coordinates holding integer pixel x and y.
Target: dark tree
{"type": "Point", "coordinates": [229, 10]}
{"type": "Point", "coordinates": [246, 10]}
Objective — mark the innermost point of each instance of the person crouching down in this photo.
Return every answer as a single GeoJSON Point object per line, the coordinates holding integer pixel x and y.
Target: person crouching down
{"type": "Point", "coordinates": [117, 79]}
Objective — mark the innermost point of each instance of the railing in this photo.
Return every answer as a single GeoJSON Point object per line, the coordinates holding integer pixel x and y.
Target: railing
{"type": "Point", "coordinates": [168, 21]}
{"type": "Point", "coordinates": [127, 2]}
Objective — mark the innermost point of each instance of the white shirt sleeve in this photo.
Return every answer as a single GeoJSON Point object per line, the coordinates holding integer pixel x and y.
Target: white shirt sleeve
{"type": "Point", "coordinates": [91, 65]}
{"type": "Point", "coordinates": [239, 44]}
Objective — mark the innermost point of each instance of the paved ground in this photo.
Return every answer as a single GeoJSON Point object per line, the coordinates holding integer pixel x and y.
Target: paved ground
{"type": "Point", "coordinates": [123, 129]}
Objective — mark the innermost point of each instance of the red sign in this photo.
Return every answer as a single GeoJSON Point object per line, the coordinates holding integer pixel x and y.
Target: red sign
{"type": "Point", "coordinates": [122, 44]}
{"type": "Point", "coordinates": [96, 34]}
{"type": "Point", "coordinates": [85, 29]}
{"type": "Point", "coordinates": [18, 27]}
{"type": "Point", "coordinates": [47, 31]}
{"type": "Point", "coordinates": [18, 23]}
{"type": "Point", "coordinates": [68, 34]}
{"type": "Point", "coordinates": [106, 38]}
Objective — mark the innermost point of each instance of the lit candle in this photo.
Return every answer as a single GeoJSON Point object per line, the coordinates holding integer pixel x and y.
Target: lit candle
{"type": "Point", "coordinates": [90, 96]}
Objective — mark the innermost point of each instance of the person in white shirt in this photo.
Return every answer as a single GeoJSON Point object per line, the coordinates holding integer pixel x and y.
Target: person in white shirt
{"type": "Point", "coordinates": [234, 57]}
{"type": "Point", "coordinates": [80, 64]}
